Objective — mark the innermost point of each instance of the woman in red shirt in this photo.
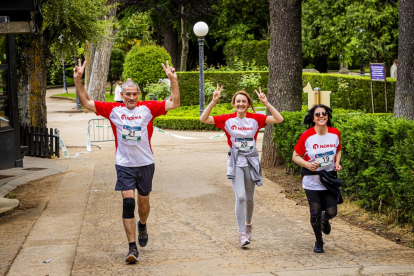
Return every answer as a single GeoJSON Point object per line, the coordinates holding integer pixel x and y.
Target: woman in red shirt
{"type": "Point", "coordinates": [318, 152]}
{"type": "Point", "coordinates": [243, 165]}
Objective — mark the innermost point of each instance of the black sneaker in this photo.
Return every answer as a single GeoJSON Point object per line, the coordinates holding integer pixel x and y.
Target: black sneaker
{"type": "Point", "coordinates": [325, 226]}
{"type": "Point", "coordinates": [142, 235]}
{"type": "Point", "coordinates": [318, 247]}
{"type": "Point", "coordinates": [132, 256]}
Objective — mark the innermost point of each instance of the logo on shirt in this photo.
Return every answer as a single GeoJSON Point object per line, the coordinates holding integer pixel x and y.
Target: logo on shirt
{"type": "Point", "coordinates": [234, 127]}
{"type": "Point", "coordinates": [124, 117]}
{"type": "Point", "coordinates": [316, 146]}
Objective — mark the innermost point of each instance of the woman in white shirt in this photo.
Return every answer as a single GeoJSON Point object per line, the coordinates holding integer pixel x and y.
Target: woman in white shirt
{"type": "Point", "coordinates": [118, 90]}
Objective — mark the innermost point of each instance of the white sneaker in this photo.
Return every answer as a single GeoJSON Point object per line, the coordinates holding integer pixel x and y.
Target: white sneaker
{"type": "Point", "coordinates": [249, 231]}
{"type": "Point", "coordinates": [243, 240]}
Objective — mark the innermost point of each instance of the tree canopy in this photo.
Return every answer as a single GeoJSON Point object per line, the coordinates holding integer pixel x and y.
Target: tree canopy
{"type": "Point", "coordinates": [349, 28]}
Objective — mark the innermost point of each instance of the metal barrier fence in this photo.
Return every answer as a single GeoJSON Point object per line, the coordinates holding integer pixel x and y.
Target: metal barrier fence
{"type": "Point", "coordinates": [98, 130]}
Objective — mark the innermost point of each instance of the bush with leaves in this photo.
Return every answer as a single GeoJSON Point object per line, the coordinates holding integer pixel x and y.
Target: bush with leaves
{"type": "Point", "coordinates": [377, 158]}
{"type": "Point", "coordinates": [143, 65]}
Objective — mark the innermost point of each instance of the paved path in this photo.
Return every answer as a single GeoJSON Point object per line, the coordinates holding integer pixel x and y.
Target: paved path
{"type": "Point", "coordinates": [192, 228]}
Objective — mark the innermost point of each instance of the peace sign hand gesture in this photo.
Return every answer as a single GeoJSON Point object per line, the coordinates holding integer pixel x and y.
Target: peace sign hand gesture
{"type": "Point", "coordinates": [262, 96]}
{"type": "Point", "coordinates": [169, 71]}
{"type": "Point", "coordinates": [78, 70]}
{"type": "Point", "coordinates": [216, 94]}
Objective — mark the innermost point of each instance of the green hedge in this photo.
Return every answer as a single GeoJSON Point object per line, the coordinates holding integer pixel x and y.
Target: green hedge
{"type": "Point", "coordinates": [181, 123]}
{"type": "Point", "coordinates": [247, 52]}
{"type": "Point", "coordinates": [189, 85]}
{"type": "Point", "coordinates": [358, 94]}
{"type": "Point", "coordinates": [356, 97]}
{"type": "Point", "coordinates": [377, 158]}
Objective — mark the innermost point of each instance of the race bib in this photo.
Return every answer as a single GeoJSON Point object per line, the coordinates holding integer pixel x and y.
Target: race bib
{"type": "Point", "coordinates": [244, 144]}
{"type": "Point", "coordinates": [131, 133]}
{"type": "Point", "coordinates": [325, 159]}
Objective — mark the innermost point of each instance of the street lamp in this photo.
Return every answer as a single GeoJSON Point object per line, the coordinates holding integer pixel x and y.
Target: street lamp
{"type": "Point", "coordinates": [201, 30]}
{"type": "Point", "coordinates": [65, 88]}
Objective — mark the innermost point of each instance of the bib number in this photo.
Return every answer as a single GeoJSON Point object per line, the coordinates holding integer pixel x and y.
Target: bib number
{"type": "Point", "coordinates": [325, 159]}
{"type": "Point", "coordinates": [244, 144]}
{"type": "Point", "coordinates": [131, 133]}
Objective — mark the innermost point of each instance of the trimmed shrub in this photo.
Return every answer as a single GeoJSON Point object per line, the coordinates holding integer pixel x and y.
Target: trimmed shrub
{"type": "Point", "coordinates": [181, 123]}
{"type": "Point", "coordinates": [358, 94]}
{"type": "Point", "coordinates": [143, 64]}
{"type": "Point", "coordinates": [189, 85]}
{"type": "Point", "coordinates": [377, 158]}
{"type": "Point", "coordinates": [356, 97]}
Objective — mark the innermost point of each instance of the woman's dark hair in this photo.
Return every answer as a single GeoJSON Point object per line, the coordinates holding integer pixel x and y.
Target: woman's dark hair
{"type": "Point", "coordinates": [308, 121]}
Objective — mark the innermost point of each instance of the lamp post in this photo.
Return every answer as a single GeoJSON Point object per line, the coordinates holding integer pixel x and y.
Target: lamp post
{"type": "Point", "coordinates": [65, 88]}
{"type": "Point", "coordinates": [78, 105]}
{"type": "Point", "coordinates": [201, 30]}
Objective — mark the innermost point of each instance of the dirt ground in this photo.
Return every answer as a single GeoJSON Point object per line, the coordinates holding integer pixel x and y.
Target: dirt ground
{"type": "Point", "coordinates": [348, 211]}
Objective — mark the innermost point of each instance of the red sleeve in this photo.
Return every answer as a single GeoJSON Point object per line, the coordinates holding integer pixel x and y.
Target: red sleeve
{"type": "Point", "coordinates": [300, 146]}
{"type": "Point", "coordinates": [339, 147]}
{"type": "Point", "coordinates": [261, 119]}
{"type": "Point", "coordinates": [220, 121]}
{"type": "Point", "coordinates": [156, 108]}
{"type": "Point", "coordinates": [104, 109]}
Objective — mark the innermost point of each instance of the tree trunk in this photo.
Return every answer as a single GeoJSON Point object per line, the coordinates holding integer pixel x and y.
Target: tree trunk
{"type": "Point", "coordinates": [33, 63]}
{"type": "Point", "coordinates": [89, 56]}
{"type": "Point", "coordinates": [100, 67]}
{"type": "Point", "coordinates": [285, 67]}
{"type": "Point", "coordinates": [404, 91]}
{"type": "Point", "coordinates": [184, 40]}
{"type": "Point", "coordinates": [171, 43]}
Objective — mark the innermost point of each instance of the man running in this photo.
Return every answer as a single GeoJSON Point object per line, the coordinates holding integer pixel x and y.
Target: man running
{"type": "Point", "coordinates": [131, 122]}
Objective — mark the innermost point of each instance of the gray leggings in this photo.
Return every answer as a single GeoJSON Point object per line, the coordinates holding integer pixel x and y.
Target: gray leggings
{"type": "Point", "coordinates": [243, 186]}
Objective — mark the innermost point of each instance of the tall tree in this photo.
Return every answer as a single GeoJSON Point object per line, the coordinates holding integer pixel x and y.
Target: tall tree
{"type": "Point", "coordinates": [168, 17]}
{"type": "Point", "coordinates": [285, 67]}
{"type": "Point", "coordinates": [404, 91]}
{"type": "Point", "coordinates": [100, 66]}
{"type": "Point", "coordinates": [67, 24]}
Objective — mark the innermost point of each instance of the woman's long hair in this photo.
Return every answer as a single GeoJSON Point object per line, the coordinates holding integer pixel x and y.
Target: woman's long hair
{"type": "Point", "coordinates": [249, 99]}
{"type": "Point", "coordinates": [308, 121]}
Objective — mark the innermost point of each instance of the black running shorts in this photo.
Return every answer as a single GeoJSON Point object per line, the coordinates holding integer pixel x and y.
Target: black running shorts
{"type": "Point", "coordinates": [131, 178]}
{"type": "Point", "coordinates": [325, 198]}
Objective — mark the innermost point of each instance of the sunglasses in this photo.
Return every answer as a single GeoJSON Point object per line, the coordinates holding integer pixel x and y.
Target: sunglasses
{"type": "Point", "coordinates": [317, 114]}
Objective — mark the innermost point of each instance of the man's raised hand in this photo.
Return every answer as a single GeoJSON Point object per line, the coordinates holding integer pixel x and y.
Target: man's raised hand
{"type": "Point", "coordinates": [216, 94]}
{"type": "Point", "coordinates": [169, 71]}
{"type": "Point", "coordinates": [78, 70]}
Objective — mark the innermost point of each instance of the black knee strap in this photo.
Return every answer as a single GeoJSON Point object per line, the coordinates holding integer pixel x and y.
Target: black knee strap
{"type": "Point", "coordinates": [129, 208]}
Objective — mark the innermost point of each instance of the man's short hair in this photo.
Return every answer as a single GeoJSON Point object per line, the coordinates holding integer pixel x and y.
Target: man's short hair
{"type": "Point", "coordinates": [130, 83]}
{"type": "Point", "coordinates": [395, 60]}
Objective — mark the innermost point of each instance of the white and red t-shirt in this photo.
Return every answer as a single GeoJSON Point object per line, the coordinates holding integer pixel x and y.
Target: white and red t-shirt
{"type": "Point", "coordinates": [323, 149]}
{"type": "Point", "coordinates": [132, 129]}
{"type": "Point", "coordinates": [241, 133]}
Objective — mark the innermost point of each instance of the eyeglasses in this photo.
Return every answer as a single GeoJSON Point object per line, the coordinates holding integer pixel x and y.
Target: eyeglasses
{"type": "Point", "coordinates": [317, 114]}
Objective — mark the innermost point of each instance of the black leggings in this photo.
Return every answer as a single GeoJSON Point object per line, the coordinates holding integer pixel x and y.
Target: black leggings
{"type": "Point", "coordinates": [320, 201]}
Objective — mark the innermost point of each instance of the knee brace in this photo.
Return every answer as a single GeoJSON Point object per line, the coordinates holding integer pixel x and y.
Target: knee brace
{"type": "Point", "coordinates": [129, 208]}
